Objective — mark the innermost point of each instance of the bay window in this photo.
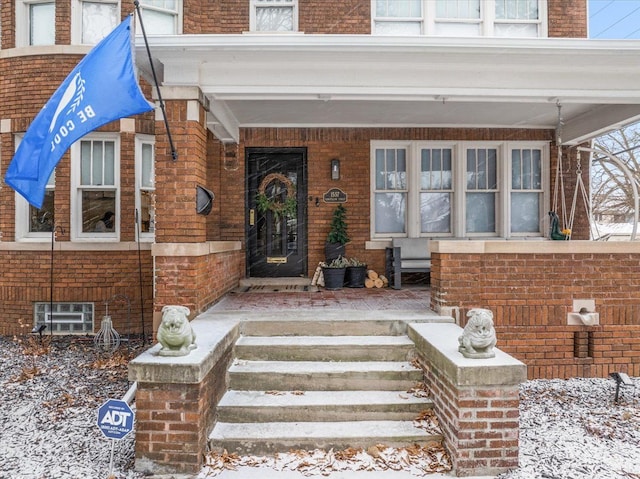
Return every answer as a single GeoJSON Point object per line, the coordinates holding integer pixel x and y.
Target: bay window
{"type": "Point", "coordinates": [33, 224]}
{"type": "Point", "coordinates": [95, 181]}
{"type": "Point", "coordinates": [459, 189]}
{"type": "Point", "coordinates": [35, 22]}
{"type": "Point", "coordinates": [93, 20]}
{"type": "Point", "coordinates": [145, 187]}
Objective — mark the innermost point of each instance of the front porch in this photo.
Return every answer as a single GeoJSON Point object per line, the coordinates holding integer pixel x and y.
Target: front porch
{"type": "Point", "coordinates": [276, 371]}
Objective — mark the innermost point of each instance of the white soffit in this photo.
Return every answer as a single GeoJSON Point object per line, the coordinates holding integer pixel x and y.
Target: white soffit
{"type": "Point", "coordinates": [363, 80]}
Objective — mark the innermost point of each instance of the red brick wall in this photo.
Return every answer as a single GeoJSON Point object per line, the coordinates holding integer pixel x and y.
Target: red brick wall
{"type": "Point", "coordinates": [480, 425]}
{"type": "Point", "coordinates": [197, 281]}
{"type": "Point", "coordinates": [530, 296]}
{"type": "Point", "coordinates": [176, 181]}
{"type": "Point", "coordinates": [567, 18]}
{"type": "Point", "coordinates": [352, 147]}
{"type": "Point", "coordinates": [173, 421]}
{"type": "Point", "coordinates": [78, 276]}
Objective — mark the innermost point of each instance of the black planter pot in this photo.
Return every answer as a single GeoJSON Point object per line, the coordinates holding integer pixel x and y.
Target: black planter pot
{"type": "Point", "coordinates": [333, 250]}
{"type": "Point", "coordinates": [354, 276]}
{"type": "Point", "coordinates": [333, 277]}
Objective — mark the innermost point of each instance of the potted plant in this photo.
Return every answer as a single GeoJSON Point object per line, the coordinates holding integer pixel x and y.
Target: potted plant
{"type": "Point", "coordinates": [355, 274]}
{"type": "Point", "coordinates": [338, 237]}
{"type": "Point", "coordinates": [333, 273]}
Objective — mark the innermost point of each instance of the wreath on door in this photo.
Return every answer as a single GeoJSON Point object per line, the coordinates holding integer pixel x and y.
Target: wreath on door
{"type": "Point", "coordinates": [287, 208]}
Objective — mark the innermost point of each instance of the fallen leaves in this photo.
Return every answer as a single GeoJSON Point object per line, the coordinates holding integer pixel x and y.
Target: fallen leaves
{"type": "Point", "coordinates": [416, 459]}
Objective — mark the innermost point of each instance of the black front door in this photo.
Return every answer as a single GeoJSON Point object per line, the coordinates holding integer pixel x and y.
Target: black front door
{"type": "Point", "coordinates": [277, 212]}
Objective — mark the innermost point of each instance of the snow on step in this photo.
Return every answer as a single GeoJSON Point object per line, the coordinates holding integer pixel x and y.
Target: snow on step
{"type": "Point", "coordinates": [328, 376]}
{"type": "Point", "coordinates": [264, 438]}
{"type": "Point", "coordinates": [324, 348]}
{"type": "Point", "coordinates": [261, 406]}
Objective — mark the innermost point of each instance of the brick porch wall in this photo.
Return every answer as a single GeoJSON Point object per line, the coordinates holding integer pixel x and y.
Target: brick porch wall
{"type": "Point", "coordinates": [531, 293]}
{"type": "Point", "coordinates": [476, 401]}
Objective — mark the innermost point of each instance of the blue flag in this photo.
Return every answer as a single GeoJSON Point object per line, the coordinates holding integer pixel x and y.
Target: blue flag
{"type": "Point", "coordinates": [101, 88]}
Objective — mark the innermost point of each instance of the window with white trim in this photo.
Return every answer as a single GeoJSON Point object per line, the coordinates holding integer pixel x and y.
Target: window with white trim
{"type": "Point", "coordinates": [459, 189]}
{"type": "Point", "coordinates": [161, 17]}
{"type": "Point", "coordinates": [35, 22]}
{"type": "Point", "coordinates": [93, 20]}
{"type": "Point", "coordinates": [95, 180]}
{"type": "Point", "coordinates": [436, 189]}
{"type": "Point", "coordinates": [145, 186]}
{"type": "Point", "coordinates": [527, 195]}
{"type": "Point", "coordinates": [33, 224]}
{"type": "Point", "coordinates": [66, 318]}
{"type": "Point", "coordinates": [460, 18]}
{"type": "Point", "coordinates": [481, 192]}
{"type": "Point", "coordinates": [273, 16]}
{"type": "Point", "coordinates": [391, 189]}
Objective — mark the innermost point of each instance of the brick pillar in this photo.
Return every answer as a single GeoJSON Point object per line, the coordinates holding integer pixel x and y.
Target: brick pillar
{"type": "Point", "coordinates": [476, 400]}
{"type": "Point", "coordinates": [181, 252]}
{"type": "Point", "coordinates": [176, 181]}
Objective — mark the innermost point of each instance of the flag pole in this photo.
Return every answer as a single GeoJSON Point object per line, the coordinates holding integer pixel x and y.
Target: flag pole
{"type": "Point", "coordinates": [174, 153]}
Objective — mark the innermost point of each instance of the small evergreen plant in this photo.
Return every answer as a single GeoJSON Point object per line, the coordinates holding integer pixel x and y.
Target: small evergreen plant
{"type": "Point", "coordinates": [338, 226]}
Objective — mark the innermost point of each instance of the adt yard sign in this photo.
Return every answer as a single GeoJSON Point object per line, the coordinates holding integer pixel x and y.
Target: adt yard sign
{"type": "Point", "coordinates": [115, 419]}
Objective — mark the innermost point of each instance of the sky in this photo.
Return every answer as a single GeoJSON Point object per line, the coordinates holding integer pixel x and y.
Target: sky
{"type": "Point", "coordinates": [619, 19]}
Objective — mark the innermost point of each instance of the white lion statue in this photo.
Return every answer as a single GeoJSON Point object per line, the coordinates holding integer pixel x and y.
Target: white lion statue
{"type": "Point", "coordinates": [479, 336]}
{"type": "Point", "coordinates": [175, 333]}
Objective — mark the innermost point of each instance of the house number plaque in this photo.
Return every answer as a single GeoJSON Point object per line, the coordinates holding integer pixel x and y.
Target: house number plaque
{"type": "Point", "coordinates": [335, 195]}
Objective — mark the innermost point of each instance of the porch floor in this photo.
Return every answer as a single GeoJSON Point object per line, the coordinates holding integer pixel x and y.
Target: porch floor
{"type": "Point", "coordinates": [412, 297]}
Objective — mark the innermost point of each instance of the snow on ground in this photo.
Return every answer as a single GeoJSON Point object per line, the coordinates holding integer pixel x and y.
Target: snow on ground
{"type": "Point", "coordinates": [49, 401]}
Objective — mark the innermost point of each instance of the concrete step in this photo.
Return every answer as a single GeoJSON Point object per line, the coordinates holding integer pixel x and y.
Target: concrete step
{"type": "Point", "coordinates": [324, 348]}
{"type": "Point", "coordinates": [272, 437]}
{"type": "Point", "coordinates": [322, 376]}
{"type": "Point", "coordinates": [292, 406]}
{"type": "Point", "coordinates": [336, 322]}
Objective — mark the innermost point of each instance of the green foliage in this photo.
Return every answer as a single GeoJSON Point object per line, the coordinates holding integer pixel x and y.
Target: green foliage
{"type": "Point", "coordinates": [339, 262]}
{"type": "Point", "coordinates": [338, 227]}
{"type": "Point", "coordinates": [355, 262]}
{"type": "Point", "coordinates": [286, 209]}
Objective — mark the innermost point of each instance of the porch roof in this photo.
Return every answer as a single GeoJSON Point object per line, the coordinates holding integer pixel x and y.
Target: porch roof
{"type": "Point", "coordinates": [298, 80]}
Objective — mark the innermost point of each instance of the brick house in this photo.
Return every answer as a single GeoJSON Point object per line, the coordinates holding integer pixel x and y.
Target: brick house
{"type": "Point", "coordinates": [441, 119]}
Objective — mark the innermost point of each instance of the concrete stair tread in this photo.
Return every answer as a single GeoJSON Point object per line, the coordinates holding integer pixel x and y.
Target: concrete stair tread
{"type": "Point", "coordinates": [298, 341]}
{"type": "Point", "coordinates": [235, 398]}
{"type": "Point", "coordinates": [311, 367]}
{"type": "Point", "coordinates": [375, 431]}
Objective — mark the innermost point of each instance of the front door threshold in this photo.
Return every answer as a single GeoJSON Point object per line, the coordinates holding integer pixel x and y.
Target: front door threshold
{"type": "Point", "coordinates": [293, 281]}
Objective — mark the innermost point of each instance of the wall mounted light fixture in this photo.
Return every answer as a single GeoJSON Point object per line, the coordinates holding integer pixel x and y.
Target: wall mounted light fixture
{"type": "Point", "coordinates": [335, 169]}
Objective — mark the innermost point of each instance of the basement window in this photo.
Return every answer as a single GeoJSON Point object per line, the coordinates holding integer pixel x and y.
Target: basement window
{"type": "Point", "coordinates": [67, 318]}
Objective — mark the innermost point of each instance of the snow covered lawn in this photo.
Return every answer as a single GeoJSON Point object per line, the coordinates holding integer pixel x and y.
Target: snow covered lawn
{"type": "Point", "coordinates": [49, 401]}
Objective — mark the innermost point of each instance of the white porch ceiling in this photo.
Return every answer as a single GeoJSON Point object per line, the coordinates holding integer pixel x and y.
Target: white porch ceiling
{"type": "Point", "coordinates": [358, 81]}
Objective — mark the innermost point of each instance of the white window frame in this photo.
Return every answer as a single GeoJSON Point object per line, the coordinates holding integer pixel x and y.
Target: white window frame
{"type": "Point", "coordinates": [545, 186]}
{"type": "Point", "coordinates": [409, 220]}
{"type": "Point", "coordinates": [458, 203]}
{"type": "Point", "coordinates": [255, 4]}
{"type": "Point", "coordinates": [139, 142]}
{"type": "Point", "coordinates": [178, 16]}
{"type": "Point", "coordinates": [76, 190]}
{"type": "Point", "coordinates": [486, 22]}
{"type": "Point", "coordinates": [415, 168]}
{"type": "Point", "coordinates": [499, 192]}
{"type": "Point", "coordinates": [22, 220]}
{"type": "Point", "coordinates": [23, 25]}
{"type": "Point", "coordinates": [76, 17]}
